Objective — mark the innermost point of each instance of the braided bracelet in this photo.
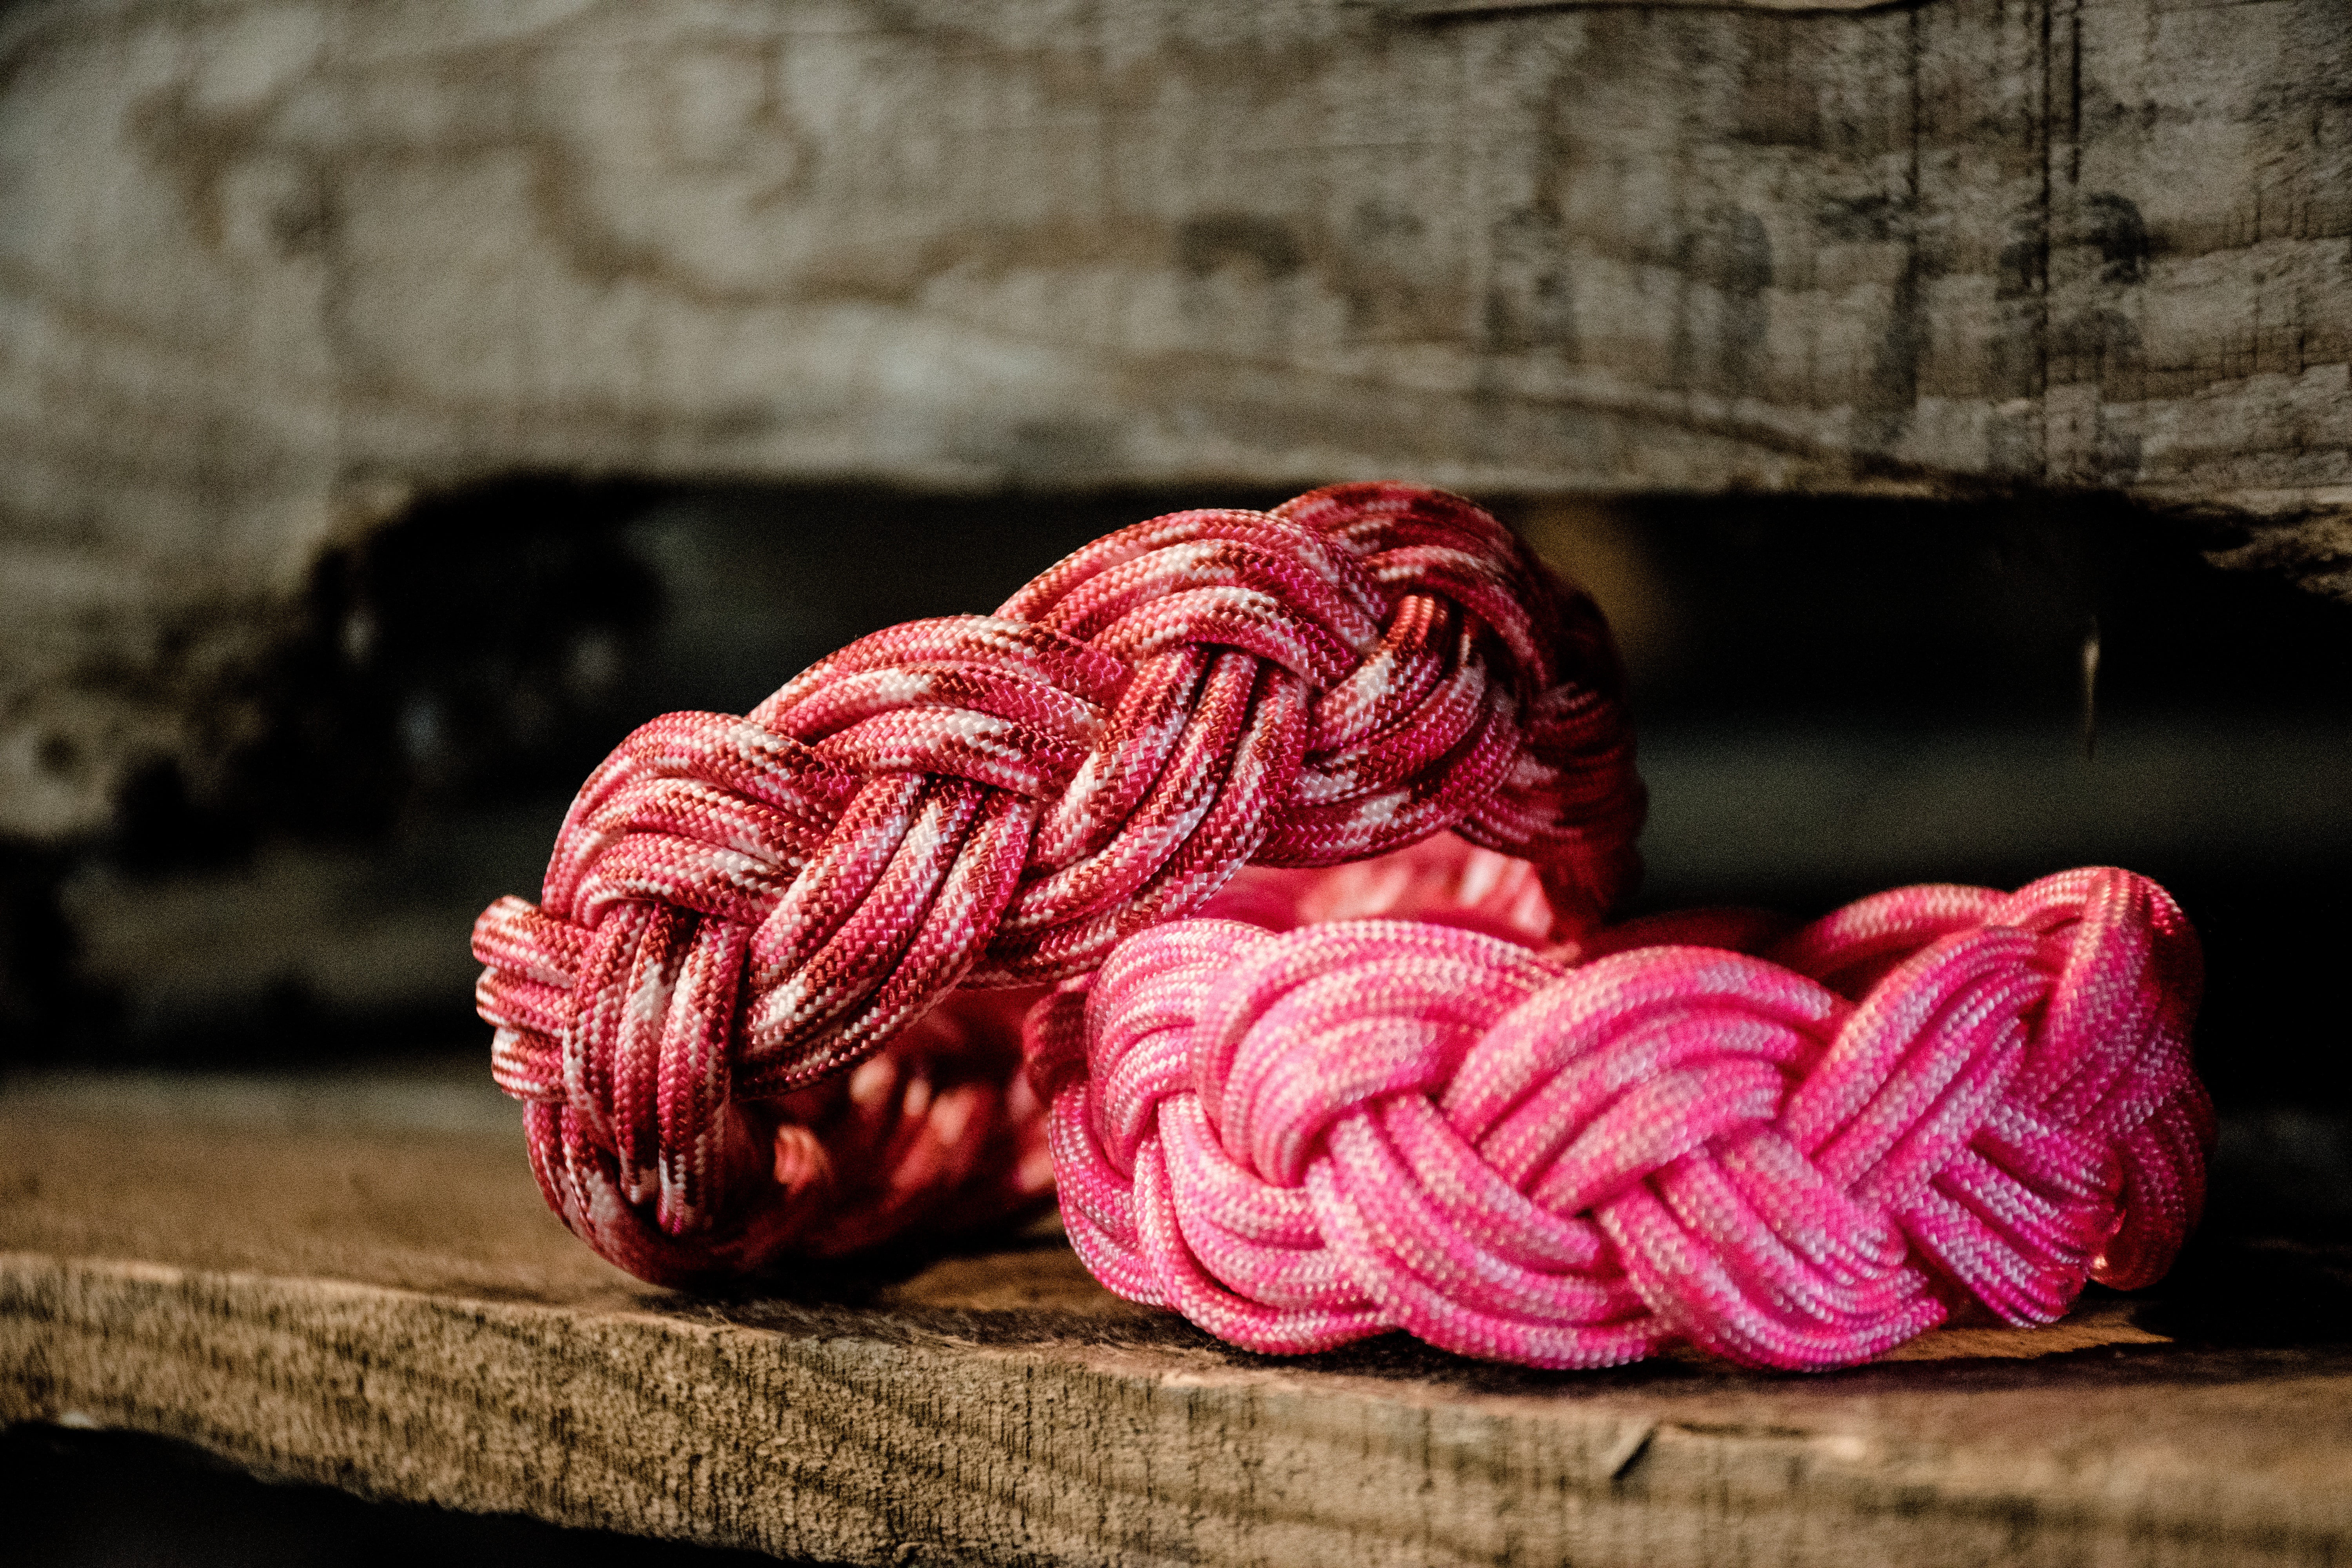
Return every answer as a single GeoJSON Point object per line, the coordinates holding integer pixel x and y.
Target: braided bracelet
{"type": "Point", "coordinates": [1939, 1099]}
{"type": "Point", "coordinates": [739, 912]}
{"type": "Point", "coordinates": [1293, 1124]}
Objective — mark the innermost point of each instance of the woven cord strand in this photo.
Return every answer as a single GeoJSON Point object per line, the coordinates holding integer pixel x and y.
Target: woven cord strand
{"type": "Point", "coordinates": [1940, 1098]}
{"type": "Point", "coordinates": [761, 1007]}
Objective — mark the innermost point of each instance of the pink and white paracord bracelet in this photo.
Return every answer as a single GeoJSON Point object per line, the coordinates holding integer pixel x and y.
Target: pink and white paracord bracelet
{"type": "Point", "coordinates": [752, 1016]}
{"type": "Point", "coordinates": [1937, 1099]}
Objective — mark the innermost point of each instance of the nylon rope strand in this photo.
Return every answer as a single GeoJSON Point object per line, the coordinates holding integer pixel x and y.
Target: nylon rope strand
{"type": "Point", "coordinates": [763, 1006]}
{"type": "Point", "coordinates": [1790, 1150]}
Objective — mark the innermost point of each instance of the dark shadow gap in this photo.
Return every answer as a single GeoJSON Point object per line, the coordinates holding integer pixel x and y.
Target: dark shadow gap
{"type": "Point", "coordinates": [76, 1499]}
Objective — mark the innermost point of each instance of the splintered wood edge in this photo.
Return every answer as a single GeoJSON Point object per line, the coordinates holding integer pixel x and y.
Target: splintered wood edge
{"type": "Point", "coordinates": [873, 1447]}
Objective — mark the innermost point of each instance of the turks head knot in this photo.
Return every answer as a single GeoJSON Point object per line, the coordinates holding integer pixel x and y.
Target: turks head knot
{"type": "Point", "coordinates": [739, 908]}
{"type": "Point", "coordinates": [1941, 1097]}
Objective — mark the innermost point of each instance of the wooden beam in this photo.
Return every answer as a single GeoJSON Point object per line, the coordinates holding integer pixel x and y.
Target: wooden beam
{"type": "Point", "coordinates": [353, 1281]}
{"type": "Point", "coordinates": [274, 267]}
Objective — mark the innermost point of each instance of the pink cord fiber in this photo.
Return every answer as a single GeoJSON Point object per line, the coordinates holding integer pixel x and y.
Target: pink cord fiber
{"type": "Point", "coordinates": [1940, 1098]}
{"type": "Point", "coordinates": [735, 1015]}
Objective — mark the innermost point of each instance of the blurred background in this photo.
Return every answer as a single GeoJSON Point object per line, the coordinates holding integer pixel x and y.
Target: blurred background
{"type": "Point", "coordinates": [1834, 696]}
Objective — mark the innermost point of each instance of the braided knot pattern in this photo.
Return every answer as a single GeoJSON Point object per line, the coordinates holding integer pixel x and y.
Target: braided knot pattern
{"type": "Point", "coordinates": [739, 907]}
{"type": "Point", "coordinates": [1935, 1097]}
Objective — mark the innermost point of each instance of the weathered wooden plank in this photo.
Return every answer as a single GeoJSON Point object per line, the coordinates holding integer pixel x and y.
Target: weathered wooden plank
{"type": "Point", "coordinates": [275, 266]}
{"type": "Point", "coordinates": [353, 1281]}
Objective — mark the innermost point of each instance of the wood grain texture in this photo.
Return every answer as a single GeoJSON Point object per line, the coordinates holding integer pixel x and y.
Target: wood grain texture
{"type": "Point", "coordinates": [353, 1281]}
{"type": "Point", "coordinates": [274, 267]}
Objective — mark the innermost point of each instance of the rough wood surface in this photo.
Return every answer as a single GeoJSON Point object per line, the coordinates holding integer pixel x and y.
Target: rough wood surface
{"type": "Point", "coordinates": [353, 1280]}
{"type": "Point", "coordinates": [273, 267]}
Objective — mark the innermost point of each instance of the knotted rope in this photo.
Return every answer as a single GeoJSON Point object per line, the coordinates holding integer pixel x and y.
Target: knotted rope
{"type": "Point", "coordinates": [739, 911]}
{"type": "Point", "coordinates": [1935, 1097]}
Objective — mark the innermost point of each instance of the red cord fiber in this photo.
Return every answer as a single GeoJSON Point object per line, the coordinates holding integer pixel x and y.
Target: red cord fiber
{"type": "Point", "coordinates": [738, 909]}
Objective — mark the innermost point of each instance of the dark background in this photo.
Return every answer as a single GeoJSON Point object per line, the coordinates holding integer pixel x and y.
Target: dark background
{"type": "Point", "coordinates": [1833, 697]}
